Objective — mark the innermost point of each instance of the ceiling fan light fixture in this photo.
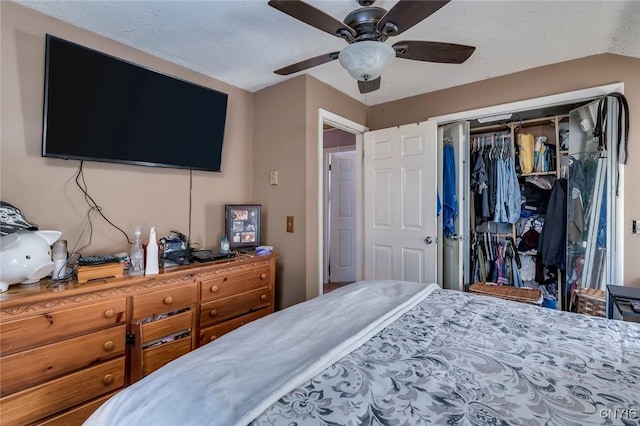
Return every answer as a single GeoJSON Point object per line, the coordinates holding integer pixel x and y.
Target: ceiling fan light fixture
{"type": "Point", "coordinates": [366, 60]}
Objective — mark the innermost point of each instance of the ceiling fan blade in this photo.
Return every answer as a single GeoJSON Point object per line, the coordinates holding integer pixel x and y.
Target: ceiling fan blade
{"type": "Point", "coordinates": [308, 63]}
{"type": "Point", "coordinates": [433, 51]}
{"type": "Point", "coordinates": [369, 86]}
{"type": "Point", "coordinates": [314, 17]}
{"type": "Point", "coordinates": [406, 13]}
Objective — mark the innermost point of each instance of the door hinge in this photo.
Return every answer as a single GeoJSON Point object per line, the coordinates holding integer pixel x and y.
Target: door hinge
{"type": "Point", "coordinates": [131, 340]}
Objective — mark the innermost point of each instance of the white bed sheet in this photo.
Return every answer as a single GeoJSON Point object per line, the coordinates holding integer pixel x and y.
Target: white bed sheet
{"type": "Point", "coordinates": [235, 378]}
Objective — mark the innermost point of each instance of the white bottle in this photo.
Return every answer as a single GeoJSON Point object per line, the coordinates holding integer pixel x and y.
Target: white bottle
{"type": "Point", "coordinates": [136, 257]}
{"type": "Point", "coordinates": [152, 253]}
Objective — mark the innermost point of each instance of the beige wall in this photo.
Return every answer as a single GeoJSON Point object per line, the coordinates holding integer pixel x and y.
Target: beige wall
{"type": "Point", "coordinates": [286, 139]}
{"type": "Point", "coordinates": [273, 129]}
{"type": "Point", "coordinates": [563, 77]}
{"type": "Point", "coordinates": [319, 95]}
{"type": "Point", "coordinates": [279, 144]}
{"type": "Point", "coordinates": [336, 138]}
{"type": "Point", "coordinates": [45, 188]}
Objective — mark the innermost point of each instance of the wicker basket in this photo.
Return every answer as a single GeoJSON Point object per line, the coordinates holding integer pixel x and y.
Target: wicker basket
{"type": "Point", "coordinates": [526, 295]}
{"type": "Point", "coordinates": [590, 301]}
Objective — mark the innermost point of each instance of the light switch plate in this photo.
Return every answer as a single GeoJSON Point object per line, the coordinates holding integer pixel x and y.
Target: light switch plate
{"type": "Point", "coordinates": [273, 177]}
{"type": "Point", "coordinates": [289, 223]}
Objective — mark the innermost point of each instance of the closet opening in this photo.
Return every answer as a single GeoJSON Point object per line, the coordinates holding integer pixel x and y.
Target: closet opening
{"type": "Point", "coordinates": [537, 202]}
{"type": "Point", "coordinates": [339, 152]}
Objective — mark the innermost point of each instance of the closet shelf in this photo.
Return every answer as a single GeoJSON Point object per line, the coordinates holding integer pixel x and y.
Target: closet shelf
{"type": "Point", "coordinates": [550, 172]}
{"type": "Point", "coordinates": [490, 129]}
{"type": "Point", "coordinates": [534, 122]}
{"type": "Point", "coordinates": [499, 234]}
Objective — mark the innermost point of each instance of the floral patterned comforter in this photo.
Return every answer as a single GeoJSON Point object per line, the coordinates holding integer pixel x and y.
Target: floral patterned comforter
{"type": "Point", "coordinates": [463, 359]}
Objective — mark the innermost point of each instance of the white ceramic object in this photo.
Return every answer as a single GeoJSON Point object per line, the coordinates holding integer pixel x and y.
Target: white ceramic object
{"type": "Point", "coordinates": [25, 257]}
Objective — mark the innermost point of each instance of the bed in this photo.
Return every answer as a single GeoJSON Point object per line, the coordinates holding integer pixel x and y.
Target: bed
{"type": "Point", "coordinates": [398, 353]}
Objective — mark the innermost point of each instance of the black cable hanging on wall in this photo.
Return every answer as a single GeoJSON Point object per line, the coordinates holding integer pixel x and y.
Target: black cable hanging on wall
{"type": "Point", "coordinates": [93, 206]}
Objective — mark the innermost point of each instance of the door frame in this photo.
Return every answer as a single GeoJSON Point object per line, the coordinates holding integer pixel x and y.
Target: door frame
{"type": "Point", "coordinates": [548, 101]}
{"type": "Point", "coordinates": [462, 191]}
{"type": "Point", "coordinates": [334, 120]}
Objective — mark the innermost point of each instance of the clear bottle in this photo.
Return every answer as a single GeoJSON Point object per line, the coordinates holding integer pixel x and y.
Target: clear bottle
{"type": "Point", "coordinates": [224, 244]}
{"type": "Point", "coordinates": [136, 257]}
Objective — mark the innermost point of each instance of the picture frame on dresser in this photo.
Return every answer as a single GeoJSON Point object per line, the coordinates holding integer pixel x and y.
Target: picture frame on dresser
{"type": "Point", "coordinates": [242, 225]}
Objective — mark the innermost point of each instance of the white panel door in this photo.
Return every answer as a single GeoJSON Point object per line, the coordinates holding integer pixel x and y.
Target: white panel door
{"type": "Point", "coordinates": [400, 182]}
{"type": "Point", "coordinates": [453, 249]}
{"type": "Point", "coordinates": [342, 221]}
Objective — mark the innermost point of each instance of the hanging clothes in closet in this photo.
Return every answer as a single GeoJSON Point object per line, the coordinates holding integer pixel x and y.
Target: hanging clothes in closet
{"type": "Point", "coordinates": [496, 201]}
{"type": "Point", "coordinates": [450, 207]}
{"type": "Point", "coordinates": [494, 183]}
{"type": "Point", "coordinates": [497, 260]}
{"type": "Point", "coordinates": [552, 244]}
{"type": "Point", "coordinates": [480, 187]}
{"type": "Point", "coordinates": [507, 192]}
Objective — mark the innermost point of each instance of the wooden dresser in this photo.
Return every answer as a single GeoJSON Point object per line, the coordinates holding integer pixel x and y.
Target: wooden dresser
{"type": "Point", "coordinates": [65, 350]}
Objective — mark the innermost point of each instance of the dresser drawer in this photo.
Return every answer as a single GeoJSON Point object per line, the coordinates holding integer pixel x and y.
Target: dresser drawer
{"type": "Point", "coordinates": [220, 287]}
{"type": "Point", "coordinates": [234, 306]}
{"type": "Point", "coordinates": [52, 326]}
{"type": "Point", "coordinates": [163, 327]}
{"type": "Point", "coordinates": [34, 366]}
{"type": "Point", "coordinates": [51, 397]}
{"type": "Point", "coordinates": [210, 334]}
{"type": "Point", "coordinates": [162, 301]}
{"type": "Point", "coordinates": [76, 416]}
{"type": "Point", "coordinates": [157, 356]}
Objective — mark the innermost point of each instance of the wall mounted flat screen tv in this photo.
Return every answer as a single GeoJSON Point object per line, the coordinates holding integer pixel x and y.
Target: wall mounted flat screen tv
{"type": "Point", "coordinates": [97, 107]}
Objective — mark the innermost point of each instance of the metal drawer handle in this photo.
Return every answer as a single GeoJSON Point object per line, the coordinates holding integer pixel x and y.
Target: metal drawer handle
{"type": "Point", "coordinates": [108, 345]}
{"type": "Point", "coordinates": [213, 312]}
{"type": "Point", "coordinates": [107, 379]}
{"type": "Point", "coordinates": [263, 276]}
{"type": "Point", "coordinates": [109, 313]}
{"type": "Point", "coordinates": [214, 289]}
{"type": "Point", "coordinates": [264, 297]}
{"type": "Point", "coordinates": [212, 338]}
{"type": "Point", "coordinates": [168, 300]}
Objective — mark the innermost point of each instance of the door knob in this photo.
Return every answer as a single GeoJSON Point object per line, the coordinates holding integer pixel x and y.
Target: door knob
{"type": "Point", "coordinates": [428, 240]}
{"type": "Point", "coordinates": [454, 237]}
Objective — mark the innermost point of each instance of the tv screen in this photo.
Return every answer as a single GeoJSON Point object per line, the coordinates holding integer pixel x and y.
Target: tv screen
{"type": "Point", "coordinates": [97, 107]}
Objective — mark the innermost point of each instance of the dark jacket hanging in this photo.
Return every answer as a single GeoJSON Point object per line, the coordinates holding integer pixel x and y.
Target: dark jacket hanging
{"type": "Point", "coordinates": [552, 245]}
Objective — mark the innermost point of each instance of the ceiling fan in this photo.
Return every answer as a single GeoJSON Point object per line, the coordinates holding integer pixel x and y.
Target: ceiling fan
{"type": "Point", "coordinates": [366, 29]}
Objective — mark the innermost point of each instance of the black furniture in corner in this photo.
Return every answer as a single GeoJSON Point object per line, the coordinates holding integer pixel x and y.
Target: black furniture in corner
{"type": "Point", "coordinates": [618, 306]}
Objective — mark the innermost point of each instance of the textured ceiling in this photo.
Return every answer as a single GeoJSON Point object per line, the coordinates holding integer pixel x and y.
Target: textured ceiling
{"type": "Point", "coordinates": [241, 42]}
